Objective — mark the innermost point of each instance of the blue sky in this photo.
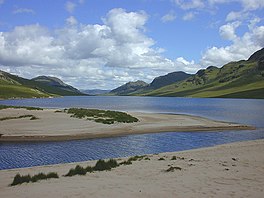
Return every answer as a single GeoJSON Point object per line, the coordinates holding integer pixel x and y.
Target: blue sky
{"type": "Point", "coordinates": [105, 43]}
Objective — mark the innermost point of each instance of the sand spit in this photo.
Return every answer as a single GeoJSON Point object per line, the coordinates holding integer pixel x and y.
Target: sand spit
{"type": "Point", "coordinates": [231, 170]}
{"type": "Point", "coordinates": [53, 126]}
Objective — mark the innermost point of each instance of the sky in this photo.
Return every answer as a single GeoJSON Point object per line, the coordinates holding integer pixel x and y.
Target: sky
{"type": "Point", "coordinates": [103, 44]}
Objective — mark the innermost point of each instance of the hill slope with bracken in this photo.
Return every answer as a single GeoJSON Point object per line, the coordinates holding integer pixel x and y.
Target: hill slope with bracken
{"type": "Point", "coordinates": [241, 79]}
{"type": "Point", "coordinates": [12, 86]}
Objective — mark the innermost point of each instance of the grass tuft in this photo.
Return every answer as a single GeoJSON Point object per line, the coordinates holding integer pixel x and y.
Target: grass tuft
{"type": "Point", "coordinates": [18, 179]}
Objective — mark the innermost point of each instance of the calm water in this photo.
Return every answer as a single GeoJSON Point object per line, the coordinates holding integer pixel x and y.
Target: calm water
{"type": "Point", "coordinates": [235, 110]}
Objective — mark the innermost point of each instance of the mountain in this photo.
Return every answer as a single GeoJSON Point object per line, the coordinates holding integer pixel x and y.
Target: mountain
{"type": "Point", "coordinates": [95, 91]}
{"type": "Point", "coordinates": [167, 79]}
{"type": "Point", "coordinates": [129, 88]}
{"type": "Point", "coordinates": [12, 86]}
{"type": "Point", "coordinates": [241, 79]}
{"type": "Point", "coordinates": [56, 86]}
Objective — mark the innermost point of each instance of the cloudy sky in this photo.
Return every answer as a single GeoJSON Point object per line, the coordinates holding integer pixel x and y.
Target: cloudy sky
{"type": "Point", "coordinates": [105, 43]}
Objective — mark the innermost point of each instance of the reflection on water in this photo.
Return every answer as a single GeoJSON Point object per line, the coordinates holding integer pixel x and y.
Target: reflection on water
{"type": "Point", "coordinates": [14, 155]}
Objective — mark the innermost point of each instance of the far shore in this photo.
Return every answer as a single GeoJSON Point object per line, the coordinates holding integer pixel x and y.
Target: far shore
{"type": "Point", "coordinates": [51, 126]}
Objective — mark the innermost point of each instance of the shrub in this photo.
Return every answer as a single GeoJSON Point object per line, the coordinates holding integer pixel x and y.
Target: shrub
{"type": "Point", "coordinates": [18, 179]}
{"type": "Point", "coordinates": [112, 163]}
{"type": "Point", "coordinates": [89, 169]}
{"type": "Point", "coordinates": [102, 165]}
{"type": "Point", "coordinates": [126, 163]}
{"type": "Point", "coordinates": [52, 175]}
{"type": "Point", "coordinates": [160, 159]}
{"type": "Point", "coordinates": [135, 158]}
{"type": "Point", "coordinates": [174, 158]}
{"type": "Point", "coordinates": [78, 170]}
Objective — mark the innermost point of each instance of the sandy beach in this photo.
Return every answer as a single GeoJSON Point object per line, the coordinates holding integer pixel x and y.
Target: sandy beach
{"type": "Point", "coordinates": [53, 126]}
{"type": "Point", "coordinates": [231, 170]}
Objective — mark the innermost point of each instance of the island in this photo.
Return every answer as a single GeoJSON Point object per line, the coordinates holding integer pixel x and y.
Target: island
{"type": "Point", "coordinates": [37, 124]}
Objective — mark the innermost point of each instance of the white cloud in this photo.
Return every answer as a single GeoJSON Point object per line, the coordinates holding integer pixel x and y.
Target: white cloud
{"type": "Point", "coordinates": [190, 4]}
{"type": "Point", "coordinates": [87, 55]}
{"type": "Point", "coordinates": [246, 4]}
{"type": "Point", "coordinates": [227, 31]}
{"type": "Point", "coordinates": [233, 16]}
{"type": "Point", "coordinates": [253, 4]}
{"type": "Point", "coordinates": [71, 20]}
{"type": "Point", "coordinates": [23, 10]}
{"type": "Point", "coordinates": [70, 6]}
{"type": "Point", "coordinates": [188, 16]}
{"type": "Point", "coordinates": [240, 49]}
{"type": "Point", "coordinates": [171, 16]}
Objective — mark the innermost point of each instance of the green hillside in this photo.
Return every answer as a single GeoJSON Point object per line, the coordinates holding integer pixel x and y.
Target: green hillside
{"type": "Point", "coordinates": [242, 79]}
{"type": "Point", "coordinates": [12, 86]}
{"type": "Point", "coordinates": [128, 88]}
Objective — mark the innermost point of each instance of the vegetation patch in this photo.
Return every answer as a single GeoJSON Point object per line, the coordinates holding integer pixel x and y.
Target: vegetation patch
{"type": "Point", "coordinates": [161, 159]}
{"type": "Point", "coordinates": [174, 158]}
{"type": "Point", "coordinates": [19, 107]}
{"type": "Point", "coordinates": [172, 168]}
{"type": "Point", "coordinates": [78, 170]}
{"type": "Point", "coordinates": [32, 117]}
{"type": "Point", "coordinates": [101, 165]}
{"type": "Point", "coordinates": [131, 159]}
{"type": "Point", "coordinates": [102, 116]}
{"type": "Point", "coordinates": [18, 179]}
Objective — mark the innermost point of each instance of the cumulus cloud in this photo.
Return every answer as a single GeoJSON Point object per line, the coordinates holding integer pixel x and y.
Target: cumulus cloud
{"type": "Point", "coordinates": [241, 47]}
{"type": "Point", "coordinates": [171, 16]}
{"type": "Point", "coordinates": [227, 31]}
{"type": "Point", "coordinates": [88, 55]}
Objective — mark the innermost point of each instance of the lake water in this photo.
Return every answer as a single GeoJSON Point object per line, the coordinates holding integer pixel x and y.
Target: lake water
{"type": "Point", "coordinates": [251, 112]}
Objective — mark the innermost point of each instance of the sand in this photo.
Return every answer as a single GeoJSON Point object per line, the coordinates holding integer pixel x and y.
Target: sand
{"type": "Point", "coordinates": [231, 170]}
{"type": "Point", "coordinates": [53, 126]}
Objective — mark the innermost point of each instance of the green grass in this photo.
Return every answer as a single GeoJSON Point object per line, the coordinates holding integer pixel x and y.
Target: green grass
{"type": "Point", "coordinates": [102, 116]}
{"type": "Point", "coordinates": [101, 165]}
{"type": "Point", "coordinates": [32, 117]}
{"type": "Point", "coordinates": [18, 179]}
{"type": "Point", "coordinates": [234, 80]}
{"type": "Point", "coordinates": [19, 91]}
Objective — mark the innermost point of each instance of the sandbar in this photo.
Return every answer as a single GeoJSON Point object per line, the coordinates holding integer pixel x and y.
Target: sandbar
{"type": "Point", "coordinates": [61, 126]}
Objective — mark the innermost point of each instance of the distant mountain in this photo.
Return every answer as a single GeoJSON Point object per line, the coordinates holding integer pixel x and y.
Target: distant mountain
{"type": "Point", "coordinates": [129, 88]}
{"type": "Point", "coordinates": [241, 79]}
{"type": "Point", "coordinates": [95, 91]}
{"type": "Point", "coordinates": [58, 86]}
{"type": "Point", "coordinates": [12, 86]}
{"type": "Point", "coordinates": [168, 79]}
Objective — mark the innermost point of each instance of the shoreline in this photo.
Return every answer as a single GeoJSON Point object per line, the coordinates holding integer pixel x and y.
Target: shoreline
{"type": "Point", "coordinates": [226, 170]}
{"type": "Point", "coordinates": [51, 126]}
{"type": "Point", "coordinates": [58, 138]}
